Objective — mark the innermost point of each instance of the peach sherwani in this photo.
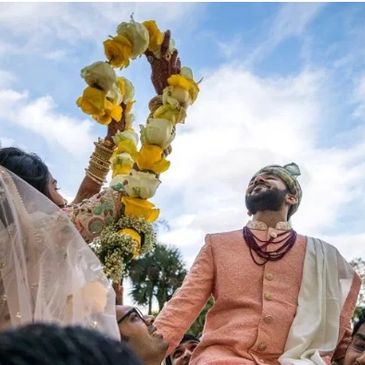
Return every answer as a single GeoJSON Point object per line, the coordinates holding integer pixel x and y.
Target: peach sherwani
{"type": "Point", "coordinates": [254, 305]}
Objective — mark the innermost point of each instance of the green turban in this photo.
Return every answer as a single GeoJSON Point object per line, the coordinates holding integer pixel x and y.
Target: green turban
{"type": "Point", "coordinates": [288, 173]}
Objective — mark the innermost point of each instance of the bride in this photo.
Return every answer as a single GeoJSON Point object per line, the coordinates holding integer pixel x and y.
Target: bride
{"type": "Point", "coordinates": [47, 271]}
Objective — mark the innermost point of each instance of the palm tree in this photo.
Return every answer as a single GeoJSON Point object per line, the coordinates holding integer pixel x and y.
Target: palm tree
{"type": "Point", "coordinates": [157, 275]}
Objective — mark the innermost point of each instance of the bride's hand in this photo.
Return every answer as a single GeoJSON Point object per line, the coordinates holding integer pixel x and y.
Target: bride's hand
{"type": "Point", "coordinates": [165, 66]}
{"type": "Point", "coordinates": [118, 288]}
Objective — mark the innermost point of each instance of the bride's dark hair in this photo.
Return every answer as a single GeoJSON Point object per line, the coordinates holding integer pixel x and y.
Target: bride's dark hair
{"type": "Point", "coordinates": [27, 166]}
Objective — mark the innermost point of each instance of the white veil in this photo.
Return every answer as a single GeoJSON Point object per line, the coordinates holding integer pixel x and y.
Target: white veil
{"type": "Point", "coordinates": [47, 271]}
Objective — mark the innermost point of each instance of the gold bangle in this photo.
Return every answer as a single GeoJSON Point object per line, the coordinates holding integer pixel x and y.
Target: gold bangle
{"type": "Point", "coordinates": [94, 177]}
{"type": "Point", "coordinates": [107, 143]}
{"type": "Point", "coordinates": [101, 145]}
{"type": "Point", "coordinates": [97, 172]}
{"type": "Point", "coordinates": [99, 166]}
{"type": "Point", "coordinates": [100, 159]}
{"type": "Point", "coordinates": [103, 154]}
{"type": "Point", "coordinates": [97, 158]}
{"type": "Point", "coordinates": [102, 172]}
{"type": "Point", "coordinates": [95, 181]}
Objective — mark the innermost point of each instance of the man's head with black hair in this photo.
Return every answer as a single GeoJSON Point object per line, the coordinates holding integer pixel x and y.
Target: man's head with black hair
{"type": "Point", "coordinates": [45, 344]}
{"type": "Point", "coordinates": [182, 354]}
{"type": "Point", "coordinates": [141, 335]}
{"type": "Point", "coordinates": [355, 354]}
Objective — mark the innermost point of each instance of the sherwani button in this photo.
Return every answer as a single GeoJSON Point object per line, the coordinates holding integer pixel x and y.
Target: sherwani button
{"type": "Point", "coordinates": [268, 296]}
{"type": "Point", "coordinates": [261, 346]}
{"type": "Point", "coordinates": [269, 276]}
{"type": "Point", "coordinates": [273, 234]}
{"type": "Point", "coordinates": [268, 319]}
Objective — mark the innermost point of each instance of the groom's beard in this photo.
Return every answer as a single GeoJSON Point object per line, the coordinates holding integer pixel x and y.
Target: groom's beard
{"type": "Point", "coordinates": [271, 199]}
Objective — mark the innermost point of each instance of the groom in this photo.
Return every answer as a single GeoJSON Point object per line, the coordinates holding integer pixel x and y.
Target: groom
{"type": "Point", "coordinates": [279, 296]}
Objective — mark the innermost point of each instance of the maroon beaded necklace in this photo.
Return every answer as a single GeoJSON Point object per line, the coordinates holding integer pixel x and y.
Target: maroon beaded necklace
{"type": "Point", "coordinates": [251, 240]}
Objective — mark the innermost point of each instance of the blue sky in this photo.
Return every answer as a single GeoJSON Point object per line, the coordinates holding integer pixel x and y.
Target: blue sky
{"type": "Point", "coordinates": [282, 82]}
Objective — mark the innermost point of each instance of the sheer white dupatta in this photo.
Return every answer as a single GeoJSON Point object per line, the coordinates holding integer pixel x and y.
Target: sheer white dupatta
{"type": "Point", "coordinates": [47, 271]}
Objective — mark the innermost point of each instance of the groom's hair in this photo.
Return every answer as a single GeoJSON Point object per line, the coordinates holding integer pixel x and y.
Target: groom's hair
{"type": "Point", "coordinates": [44, 344]}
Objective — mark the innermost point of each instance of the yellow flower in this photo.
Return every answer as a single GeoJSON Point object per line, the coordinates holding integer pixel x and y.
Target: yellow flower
{"type": "Point", "coordinates": [160, 132]}
{"type": "Point", "coordinates": [136, 237]}
{"type": "Point", "coordinates": [150, 157]}
{"type": "Point", "coordinates": [126, 89]}
{"type": "Point", "coordinates": [92, 101]}
{"type": "Point", "coordinates": [114, 94]}
{"type": "Point", "coordinates": [129, 106]}
{"type": "Point", "coordinates": [177, 97]}
{"type": "Point", "coordinates": [99, 74]}
{"type": "Point", "coordinates": [127, 134]}
{"type": "Point", "coordinates": [128, 146]}
{"type": "Point", "coordinates": [170, 113]}
{"type": "Point", "coordinates": [120, 170]}
{"type": "Point", "coordinates": [117, 182]}
{"type": "Point", "coordinates": [122, 163]}
{"type": "Point", "coordinates": [134, 207]}
{"type": "Point", "coordinates": [129, 119]}
{"type": "Point", "coordinates": [137, 34]}
{"type": "Point", "coordinates": [156, 36]}
{"type": "Point", "coordinates": [141, 184]}
{"type": "Point", "coordinates": [187, 84]}
{"type": "Point", "coordinates": [111, 112]}
{"type": "Point", "coordinates": [118, 50]}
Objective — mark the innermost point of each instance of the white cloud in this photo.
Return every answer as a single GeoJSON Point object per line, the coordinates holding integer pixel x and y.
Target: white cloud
{"type": "Point", "coordinates": [359, 97]}
{"type": "Point", "coordinates": [240, 123]}
{"type": "Point", "coordinates": [350, 246]}
{"type": "Point", "coordinates": [40, 116]}
{"type": "Point", "coordinates": [44, 25]}
{"type": "Point", "coordinates": [6, 78]}
{"type": "Point", "coordinates": [229, 48]}
{"type": "Point", "coordinates": [291, 20]}
{"type": "Point", "coordinates": [6, 142]}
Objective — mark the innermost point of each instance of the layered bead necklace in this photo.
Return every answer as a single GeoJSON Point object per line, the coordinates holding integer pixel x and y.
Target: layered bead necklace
{"type": "Point", "coordinates": [288, 239]}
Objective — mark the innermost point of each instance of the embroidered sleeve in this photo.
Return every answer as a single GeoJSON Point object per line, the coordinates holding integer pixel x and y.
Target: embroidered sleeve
{"type": "Point", "coordinates": [93, 214]}
{"type": "Point", "coordinates": [179, 313]}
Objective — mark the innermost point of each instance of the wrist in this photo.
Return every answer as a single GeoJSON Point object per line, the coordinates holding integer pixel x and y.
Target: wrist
{"type": "Point", "coordinates": [108, 141]}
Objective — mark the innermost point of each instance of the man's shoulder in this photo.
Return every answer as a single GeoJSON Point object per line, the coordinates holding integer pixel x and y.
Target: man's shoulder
{"type": "Point", "coordinates": [224, 237]}
{"type": "Point", "coordinates": [319, 241]}
{"type": "Point", "coordinates": [328, 249]}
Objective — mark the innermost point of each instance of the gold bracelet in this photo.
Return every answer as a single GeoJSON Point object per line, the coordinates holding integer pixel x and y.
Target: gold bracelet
{"type": "Point", "coordinates": [97, 172]}
{"type": "Point", "coordinates": [93, 177]}
{"type": "Point", "coordinates": [101, 144]}
{"type": "Point", "coordinates": [98, 158]}
{"type": "Point", "coordinates": [107, 143]}
{"type": "Point", "coordinates": [98, 166]}
{"type": "Point", "coordinates": [95, 181]}
{"type": "Point", "coordinates": [105, 155]}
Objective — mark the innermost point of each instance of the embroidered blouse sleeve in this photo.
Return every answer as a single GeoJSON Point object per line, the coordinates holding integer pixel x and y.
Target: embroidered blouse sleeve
{"type": "Point", "coordinates": [93, 214]}
{"type": "Point", "coordinates": [179, 313]}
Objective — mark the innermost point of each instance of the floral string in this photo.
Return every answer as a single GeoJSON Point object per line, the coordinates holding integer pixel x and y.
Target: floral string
{"type": "Point", "coordinates": [136, 169]}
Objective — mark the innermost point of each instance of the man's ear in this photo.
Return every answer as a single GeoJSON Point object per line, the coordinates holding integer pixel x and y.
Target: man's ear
{"type": "Point", "coordinates": [291, 199]}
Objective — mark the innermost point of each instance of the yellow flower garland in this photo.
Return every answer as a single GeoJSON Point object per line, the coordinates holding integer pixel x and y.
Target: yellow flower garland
{"type": "Point", "coordinates": [132, 40]}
